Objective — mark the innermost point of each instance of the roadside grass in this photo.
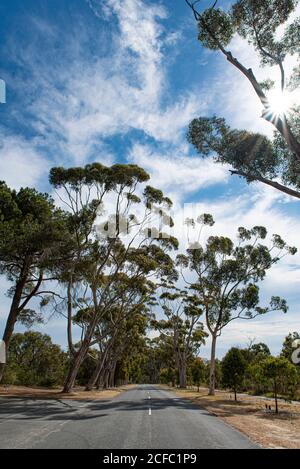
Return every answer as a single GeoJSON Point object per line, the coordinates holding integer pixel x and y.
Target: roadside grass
{"type": "Point", "coordinates": [55, 393]}
{"type": "Point", "coordinates": [249, 416]}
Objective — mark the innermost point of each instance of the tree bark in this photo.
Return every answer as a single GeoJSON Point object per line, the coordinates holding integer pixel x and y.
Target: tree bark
{"type": "Point", "coordinates": [13, 314]}
{"type": "Point", "coordinates": [105, 379]}
{"type": "Point", "coordinates": [79, 357]}
{"type": "Point", "coordinates": [275, 395]}
{"type": "Point", "coordinates": [276, 185]}
{"type": "Point", "coordinates": [74, 367]}
{"type": "Point", "coordinates": [99, 380]}
{"type": "Point", "coordinates": [212, 375]}
{"type": "Point", "coordinates": [69, 323]}
{"type": "Point", "coordinates": [97, 372]}
{"type": "Point", "coordinates": [182, 376]}
{"type": "Point", "coordinates": [112, 376]}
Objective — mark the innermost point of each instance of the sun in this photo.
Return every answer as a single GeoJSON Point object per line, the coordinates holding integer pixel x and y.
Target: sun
{"type": "Point", "coordinates": [280, 102]}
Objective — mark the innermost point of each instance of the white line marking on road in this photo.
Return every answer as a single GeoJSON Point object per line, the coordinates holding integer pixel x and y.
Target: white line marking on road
{"type": "Point", "coordinates": [149, 411]}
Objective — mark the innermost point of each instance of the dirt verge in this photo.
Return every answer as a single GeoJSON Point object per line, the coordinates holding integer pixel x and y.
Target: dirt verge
{"type": "Point", "coordinates": [45, 393]}
{"type": "Point", "coordinates": [249, 415]}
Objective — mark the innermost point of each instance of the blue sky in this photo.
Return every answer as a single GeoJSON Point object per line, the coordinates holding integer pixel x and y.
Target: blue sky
{"type": "Point", "coordinates": [119, 81]}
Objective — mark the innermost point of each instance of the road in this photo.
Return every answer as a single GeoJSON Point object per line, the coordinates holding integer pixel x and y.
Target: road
{"type": "Point", "coordinates": [144, 417]}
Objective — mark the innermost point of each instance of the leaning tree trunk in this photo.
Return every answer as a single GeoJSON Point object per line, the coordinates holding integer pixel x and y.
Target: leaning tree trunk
{"type": "Point", "coordinates": [79, 357]}
{"type": "Point", "coordinates": [99, 381]}
{"type": "Point", "coordinates": [212, 374]}
{"type": "Point", "coordinates": [12, 317]}
{"type": "Point", "coordinates": [74, 367]}
{"type": "Point", "coordinates": [69, 316]}
{"type": "Point", "coordinates": [97, 372]}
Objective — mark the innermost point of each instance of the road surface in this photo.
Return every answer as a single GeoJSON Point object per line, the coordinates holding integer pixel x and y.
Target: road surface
{"type": "Point", "coordinates": [144, 417]}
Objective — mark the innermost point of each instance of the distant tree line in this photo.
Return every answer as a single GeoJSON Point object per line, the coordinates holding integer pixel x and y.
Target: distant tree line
{"type": "Point", "coordinates": [35, 361]}
{"type": "Point", "coordinates": [250, 370]}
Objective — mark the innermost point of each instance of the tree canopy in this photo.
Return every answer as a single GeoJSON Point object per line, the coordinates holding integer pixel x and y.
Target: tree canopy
{"type": "Point", "coordinates": [253, 156]}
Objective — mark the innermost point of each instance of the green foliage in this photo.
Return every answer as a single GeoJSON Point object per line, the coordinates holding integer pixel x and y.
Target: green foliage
{"type": "Point", "coordinates": [215, 28]}
{"type": "Point", "coordinates": [198, 371]}
{"type": "Point", "coordinates": [226, 277]}
{"type": "Point", "coordinates": [97, 175]}
{"type": "Point", "coordinates": [287, 346]}
{"type": "Point", "coordinates": [251, 153]}
{"type": "Point", "coordinates": [34, 360]}
{"type": "Point", "coordinates": [114, 256]}
{"type": "Point", "coordinates": [258, 20]}
{"type": "Point", "coordinates": [154, 196]}
{"type": "Point", "coordinates": [255, 157]}
{"type": "Point", "coordinates": [29, 225]}
{"type": "Point", "coordinates": [254, 20]}
{"type": "Point", "coordinates": [278, 373]}
{"type": "Point", "coordinates": [33, 234]}
{"type": "Point", "coordinates": [167, 375]}
{"type": "Point", "coordinates": [29, 317]}
{"type": "Point", "coordinates": [233, 369]}
{"type": "Point", "coordinates": [87, 367]}
{"type": "Point", "coordinates": [259, 351]}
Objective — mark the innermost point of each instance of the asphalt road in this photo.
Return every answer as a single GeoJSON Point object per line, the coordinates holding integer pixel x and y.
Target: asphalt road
{"type": "Point", "coordinates": [145, 417]}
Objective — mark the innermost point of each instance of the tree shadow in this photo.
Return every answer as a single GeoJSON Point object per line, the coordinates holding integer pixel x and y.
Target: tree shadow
{"type": "Point", "coordinates": [49, 409]}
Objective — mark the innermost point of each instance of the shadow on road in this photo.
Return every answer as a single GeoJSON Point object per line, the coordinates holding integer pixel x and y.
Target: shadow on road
{"type": "Point", "coordinates": [20, 409]}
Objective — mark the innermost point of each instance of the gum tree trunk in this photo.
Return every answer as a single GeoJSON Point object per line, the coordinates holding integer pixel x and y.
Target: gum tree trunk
{"type": "Point", "coordinates": [212, 376]}
{"type": "Point", "coordinates": [112, 376]}
{"type": "Point", "coordinates": [12, 317]}
{"type": "Point", "coordinates": [182, 376]}
{"type": "Point", "coordinates": [97, 372]}
{"type": "Point", "coordinates": [74, 368]}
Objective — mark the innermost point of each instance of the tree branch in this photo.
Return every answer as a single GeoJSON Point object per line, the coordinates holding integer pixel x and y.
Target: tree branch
{"type": "Point", "coordinates": [32, 293]}
{"type": "Point", "coordinates": [280, 123]}
{"type": "Point", "coordinates": [274, 184]}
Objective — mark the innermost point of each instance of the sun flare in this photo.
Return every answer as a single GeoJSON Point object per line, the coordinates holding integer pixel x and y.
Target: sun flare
{"type": "Point", "coordinates": [280, 102]}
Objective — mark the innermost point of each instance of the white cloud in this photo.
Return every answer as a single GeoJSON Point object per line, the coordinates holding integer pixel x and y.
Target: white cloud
{"type": "Point", "coordinates": [20, 162]}
{"type": "Point", "coordinates": [260, 205]}
{"type": "Point", "coordinates": [270, 329]}
{"type": "Point", "coordinates": [82, 99]}
{"type": "Point", "coordinates": [264, 206]}
{"type": "Point", "coordinates": [176, 173]}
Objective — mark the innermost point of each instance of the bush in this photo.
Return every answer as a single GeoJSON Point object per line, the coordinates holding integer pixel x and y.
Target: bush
{"type": "Point", "coordinates": [34, 360]}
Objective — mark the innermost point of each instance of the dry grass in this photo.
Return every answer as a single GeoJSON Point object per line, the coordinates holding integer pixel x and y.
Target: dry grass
{"type": "Point", "coordinates": [45, 393]}
{"type": "Point", "coordinates": [249, 416]}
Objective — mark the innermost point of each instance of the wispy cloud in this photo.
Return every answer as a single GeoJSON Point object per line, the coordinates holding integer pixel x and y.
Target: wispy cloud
{"type": "Point", "coordinates": [177, 173]}
{"type": "Point", "coordinates": [20, 163]}
{"type": "Point", "coordinates": [80, 100]}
